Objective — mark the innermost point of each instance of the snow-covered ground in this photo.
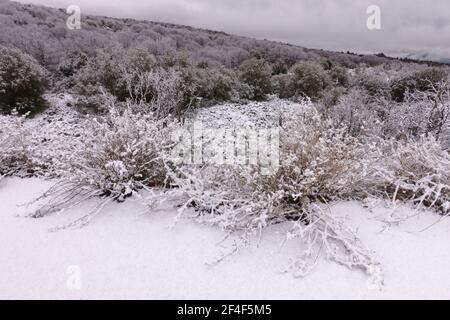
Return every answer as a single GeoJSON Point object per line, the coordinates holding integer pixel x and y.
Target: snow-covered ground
{"type": "Point", "coordinates": [127, 252]}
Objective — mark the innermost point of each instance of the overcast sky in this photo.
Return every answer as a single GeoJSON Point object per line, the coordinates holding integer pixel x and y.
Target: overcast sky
{"type": "Point", "coordinates": [406, 25]}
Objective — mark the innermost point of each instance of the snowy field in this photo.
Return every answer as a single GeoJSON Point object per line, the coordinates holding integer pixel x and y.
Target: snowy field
{"type": "Point", "coordinates": [130, 253]}
{"type": "Point", "coordinates": [144, 160]}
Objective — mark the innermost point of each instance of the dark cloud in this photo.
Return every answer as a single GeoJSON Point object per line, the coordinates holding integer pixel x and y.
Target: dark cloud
{"type": "Point", "coordinates": [407, 26]}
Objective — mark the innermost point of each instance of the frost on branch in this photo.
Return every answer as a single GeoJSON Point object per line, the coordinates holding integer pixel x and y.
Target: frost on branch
{"type": "Point", "coordinates": [416, 171]}
{"type": "Point", "coordinates": [320, 164]}
{"type": "Point", "coordinates": [40, 146]}
{"type": "Point", "coordinates": [119, 155]}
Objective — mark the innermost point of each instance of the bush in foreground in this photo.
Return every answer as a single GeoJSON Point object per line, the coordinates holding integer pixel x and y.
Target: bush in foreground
{"type": "Point", "coordinates": [40, 146]}
{"type": "Point", "coordinates": [121, 153]}
{"type": "Point", "coordinates": [319, 164]}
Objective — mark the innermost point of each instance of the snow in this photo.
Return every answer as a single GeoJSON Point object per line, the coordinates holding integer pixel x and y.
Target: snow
{"type": "Point", "coordinates": [253, 114]}
{"type": "Point", "coordinates": [130, 253]}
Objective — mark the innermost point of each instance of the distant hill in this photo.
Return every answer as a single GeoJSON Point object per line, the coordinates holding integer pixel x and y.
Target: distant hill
{"type": "Point", "coordinates": [42, 32]}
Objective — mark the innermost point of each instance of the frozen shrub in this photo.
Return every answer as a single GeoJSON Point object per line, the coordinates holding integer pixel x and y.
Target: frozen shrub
{"type": "Point", "coordinates": [171, 92]}
{"type": "Point", "coordinates": [308, 79]}
{"type": "Point", "coordinates": [331, 97]}
{"type": "Point", "coordinates": [22, 82]}
{"type": "Point", "coordinates": [422, 113]}
{"type": "Point", "coordinates": [14, 157]}
{"type": "Point", "coordinates": [279, 67]}
{"type": "Point", "coordinates": [376, 86]}
{"type": "Point", "coordinates": [92, 104]}
{"type": "Point", "coordinates": [109, 70]}
{"type": "Point", "coordinates": [339, 76]}
{"type": "Point", "coordinates": [319, 164]}
{"type": "Point", "coordinates": [281, 85]}
{"type": "Point", "coordinates": [41, 146]}
{"type": "Point", "coordinates": [256, 73]}
{"type": "Point", "coordinates": [415, 171]}
{"type": "Point", "coordinates": [103, 72]}
{"type": "Point", "coordinates": [72, 63]}
{"type": "Point", "coordinates": [427, 79]}
{"type": "Point", "coordinates": [165, 86]}
{"type": "Point", "coordinates": [68, 67]}
{"type": "Point", "coordinates": [357, 113]}
{"type": "Point", "coordinates": [421, 81]}
{"type": "Point", "coordinates": [400, 87]}
{"type": "Point", "coordinates": [119, 155]}
{"type": "Point", "coordinates": [215, 85]}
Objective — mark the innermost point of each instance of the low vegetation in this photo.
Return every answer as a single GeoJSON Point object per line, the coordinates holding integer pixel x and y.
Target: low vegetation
{"type": "Point", "coordinates": [356, 127]}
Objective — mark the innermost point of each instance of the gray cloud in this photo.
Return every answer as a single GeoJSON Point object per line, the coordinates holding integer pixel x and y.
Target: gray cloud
{"type": "Point", "coordinates": [407, 26]}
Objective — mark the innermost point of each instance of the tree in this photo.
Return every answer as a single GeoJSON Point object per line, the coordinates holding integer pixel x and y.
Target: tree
{"type": "Point", "coordinates": [22, 82]}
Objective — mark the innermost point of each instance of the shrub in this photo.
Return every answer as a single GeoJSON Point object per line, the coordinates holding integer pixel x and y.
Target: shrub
{"type": "Point", "coordinates": [400, 87]}
{"type": "Point", "coordinates": [22, 82]}
{"type": "Point", "coordinates": [120, 154]}
{"type": "Point", "coordinates": [415, 171]}
{"type": "Point", "coordinates": [42, 146]}
{"type": "Point", "coordinates": [281, 84]}
{"type": "Point", "coordinates": [421, 81]}
{"type": "Point", "coordinates": [106, 71]}
{"type": "Point", "coordinates": [319, 163]}
{"type": "Point", "coordinates": [423, 113]}
{"type": "Point", "coordinates": [309, 79]}
{"type": "Point", "coordinates": [339, 76]}
{"type": "Point", "coordinates": [376, 86]}
{"type": "Point", "coordinates": [172, 92]}
{"type": "Point", "coordinates": [357, 113]}
{"type": "Point", "coordinates": [167, 86]}
{"type": "Point", "coordinates": [72, 63]}
{"type": "Point", "coordinates": [13, 146]}
{"type": "Point", "coordinates": [215, 85]}
{"type": "Point", "coordinates": [332, 97]}
{"type": "Point", "coordinates": [93, 104]}
{"type": "Point", "coordinates": [256, 73]}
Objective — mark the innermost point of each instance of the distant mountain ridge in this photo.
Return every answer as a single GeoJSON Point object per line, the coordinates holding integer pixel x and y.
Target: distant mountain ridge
{"type": "Point", "coordinates": [42, 32]}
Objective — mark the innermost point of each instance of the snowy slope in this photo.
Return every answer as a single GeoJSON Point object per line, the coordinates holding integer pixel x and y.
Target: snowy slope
{"type": "Point", "coordinates": [126, 253]}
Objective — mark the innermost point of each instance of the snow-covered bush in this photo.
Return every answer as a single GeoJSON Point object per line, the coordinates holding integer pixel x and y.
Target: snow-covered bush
{"type": "Point", "coordinates": [40, 146]}
{"type": "Point", "coordinates": [120, 154]}
{"type": "Point", "coordinates": [422, 81]}
{"type": "Point", "coordinates": [309, 79]}
{"type": "Point", "coordinates": [103, 73]}
{"type": "Point", "coordinates": [215, 85]}
{"type": "Point", "coordinates": [72, 63]}
{"type": "Point", "coordinates": [281, 85]}
{"type": "Point", "coordinates": [415, 171]}
{"type": "Point", "coordinates": [358, 113]}
{"type": "Point", "coordinates": [377, 86]}
{"type": "Point", "coordinates": [319, 164]}
{"type": "Point", "coordinates": [256, 73]}
{"type": "Point", "coordinates": [339, 75]}
{"type": "Point", "coordinates": [22, 82]}
{"type": "Point", "coordinates": [161, 90]}
{"type": "Point", "coordinates": [135, 75]}
{"type": "Point", "coordinates": [13, 146]}
{"type": "Point", "coordinates": [421, 113]}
